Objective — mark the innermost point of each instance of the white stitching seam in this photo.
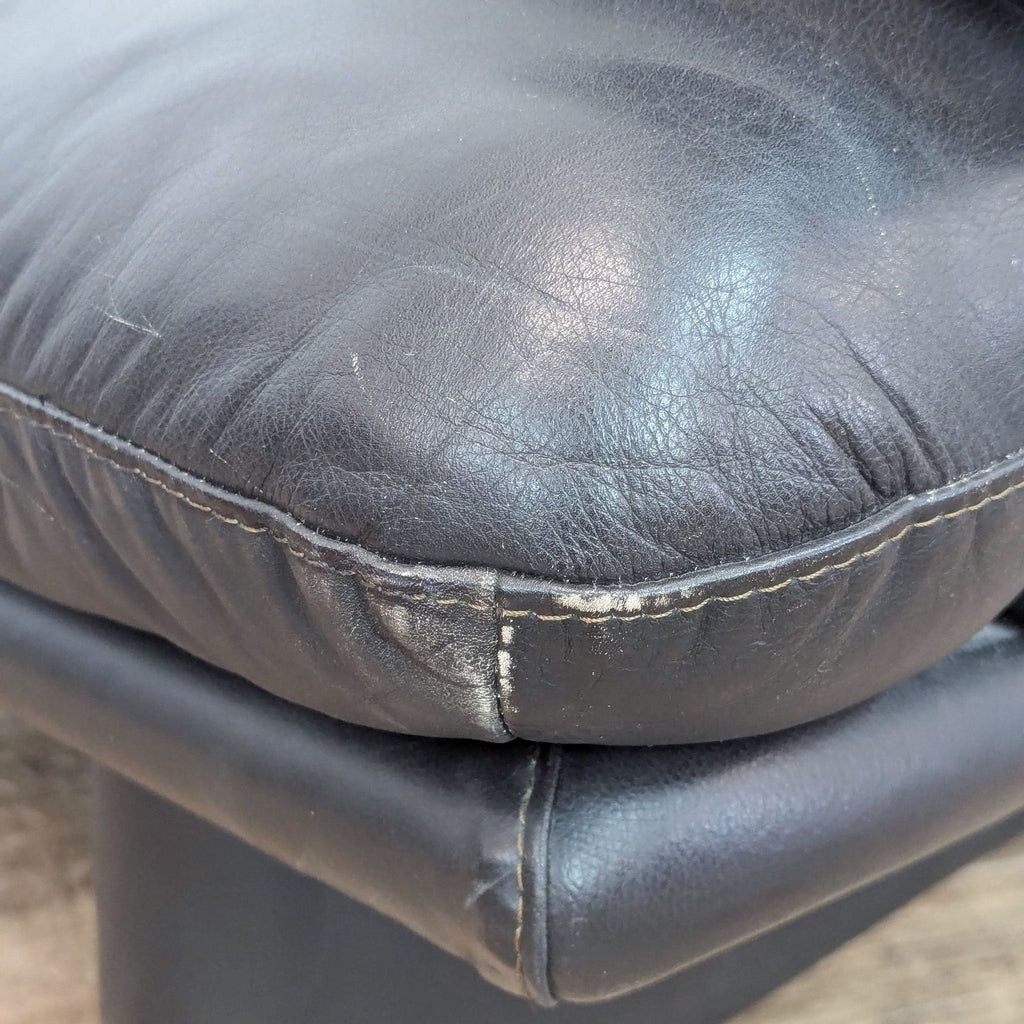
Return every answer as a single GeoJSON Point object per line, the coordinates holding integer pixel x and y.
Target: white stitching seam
{"type": "Point", "coordinates": [518, 613]}
{"type": "Point", "coordinates": [231, 521]}
{"type": "Point", "coordinates": [774, 588]}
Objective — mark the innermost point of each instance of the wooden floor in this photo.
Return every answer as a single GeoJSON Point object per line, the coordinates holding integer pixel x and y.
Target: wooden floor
{"type": "Point", "coordinates": [47, 920]}
{"type": "Point", "coordinates": [954, 956]}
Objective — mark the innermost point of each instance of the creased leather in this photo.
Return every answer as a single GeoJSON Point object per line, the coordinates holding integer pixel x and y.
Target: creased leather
{"type": "Point", "coordinates": [557, 295]}
{"type": "Point", "coordinates": [569, 874]}
{"type": "Point", "coordinates": [92, 522]}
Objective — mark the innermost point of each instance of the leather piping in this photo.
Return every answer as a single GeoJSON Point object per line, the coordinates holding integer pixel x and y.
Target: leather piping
{"type": "Point", "coordinates": [45, 416]}
{"type": "Point", "coordinates": [533, 961]}
{"type": "Point", "coordinates": [521, 867]}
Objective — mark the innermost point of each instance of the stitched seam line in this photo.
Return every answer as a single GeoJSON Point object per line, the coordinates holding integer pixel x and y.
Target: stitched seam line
{"type": "Point", "coordinates": [550, 771]}
{"type": "Point", "coordinates": [232, 521]}
{"type": "Point", "coordinates": [510, 613]}
{"type": "Point", "coordinates": [520, 860]}
{"type": "Point", "coordinates": [776, 587]}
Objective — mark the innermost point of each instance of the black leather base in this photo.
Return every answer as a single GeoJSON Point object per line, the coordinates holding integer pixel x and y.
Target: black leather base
{"type": "Point", "coordinates": [571, 874]}
{"type": "Point", "coordinates": [199, 928]}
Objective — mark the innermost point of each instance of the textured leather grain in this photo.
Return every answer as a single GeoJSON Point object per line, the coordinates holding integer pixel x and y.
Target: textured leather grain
{"type": "Point", "coordinates": [686, 338]}
{"type": "Point", "coordinates": [565, 874]}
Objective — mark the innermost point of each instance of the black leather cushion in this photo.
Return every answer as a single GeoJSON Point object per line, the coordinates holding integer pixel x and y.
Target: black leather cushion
{"type": "Point", "coordinates": [637, 373]}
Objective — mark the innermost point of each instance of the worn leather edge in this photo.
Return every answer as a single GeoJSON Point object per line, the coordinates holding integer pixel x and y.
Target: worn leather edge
{"type": "Point", "coordinates": [768, 574]}
{"type": "Point", "coordinates": [491, 611]}
{"type": "Point", "coordinates": [773, 642]}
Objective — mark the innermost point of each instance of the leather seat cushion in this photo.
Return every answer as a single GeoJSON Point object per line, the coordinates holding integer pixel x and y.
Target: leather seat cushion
{"type": "Point", "coordinates": [647, 372]}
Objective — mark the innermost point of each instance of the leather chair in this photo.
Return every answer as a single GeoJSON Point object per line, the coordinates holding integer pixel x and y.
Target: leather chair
{"type": "Point", "coordinates": [546, 471]}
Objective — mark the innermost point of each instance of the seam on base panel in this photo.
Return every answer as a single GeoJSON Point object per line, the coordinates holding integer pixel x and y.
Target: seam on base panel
{"type": "Point", "coordinates": [520, 866]}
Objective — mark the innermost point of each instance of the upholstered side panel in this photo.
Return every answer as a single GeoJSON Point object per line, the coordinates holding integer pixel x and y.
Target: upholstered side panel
{"type": "Point", "coordinates": [100, 525]}
{"type": "Point", "coordinates": [570, 874]}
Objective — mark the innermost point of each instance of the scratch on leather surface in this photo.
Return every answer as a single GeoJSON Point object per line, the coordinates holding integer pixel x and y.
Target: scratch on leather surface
{"type": "Point", "coordinates": [383, 644]}
{"type": "Point", "coordinates": [426, 633]}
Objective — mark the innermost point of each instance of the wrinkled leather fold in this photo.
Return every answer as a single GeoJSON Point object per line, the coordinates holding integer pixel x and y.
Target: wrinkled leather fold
{"type": "Point", "coordinates": [95, 523]}
{"type": "Point", "coordinates": [574, 873]}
